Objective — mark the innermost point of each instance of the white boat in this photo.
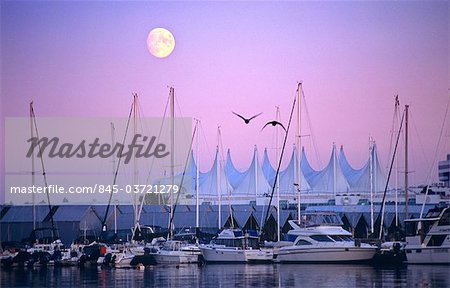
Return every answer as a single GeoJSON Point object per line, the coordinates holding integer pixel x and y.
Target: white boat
{"type": "Point", "coordinates": [51, 247]}
{"type": "Point", "coordinates": [231, 245]}
{"type": "Point", "coordinates": [46, 253]}
{"type": "Point", "coordinates": [123, 258]}
{"type": "Point", "coordinates": [72, 256]}
{"type": "Point", "coordinates": [428, 238]}
{"type": "Point", "coordinates": [177, 252]}
{"type": "Point", "coordinates": [119, 256]}
{"type": "Point", "coordinates": [321, 238]}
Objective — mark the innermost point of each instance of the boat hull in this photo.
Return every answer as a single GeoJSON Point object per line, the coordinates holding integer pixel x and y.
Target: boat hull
{"type": "Point", "coordinates": [176, 258]}
{"type": "Point", "coordinates": [325, 255]}
{"type": "Point", "coordinates": [259, 256]}
{"type": "Point", "coordinates": [145, 260]}
{"type": "Point", "coordinates": [230, 255]}
{"type": "Point", "coordinates": [428, 255]}
{"type": "Point", "coordinates": [124, 262]}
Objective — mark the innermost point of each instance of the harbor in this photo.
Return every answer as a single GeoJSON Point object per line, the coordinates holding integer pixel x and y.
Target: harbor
{"type": "Point", "coordinates": [379, 229]}
{"type": "Point", "coordinates": [224, 144]}
{"type": "Point", "coordinates": [318, 238]}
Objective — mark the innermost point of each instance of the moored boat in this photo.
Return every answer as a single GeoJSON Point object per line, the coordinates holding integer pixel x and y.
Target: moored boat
{"type": "Point", "coordinates": [232, 245]}
{"type": "Point", "coordinates": [177, 252]}
{"type": "Point", "coordinates": [321, 238]}
{"type": "Point", "coordinates": [428, 238]}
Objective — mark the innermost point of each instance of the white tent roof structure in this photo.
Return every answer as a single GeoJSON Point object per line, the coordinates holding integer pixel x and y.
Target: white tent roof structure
{"type": "Point", "coordinates": [329, 179]}
{"type": "Point", "coordinates": [288, 176]}
{"type": "Point", "coordinates": [360, 179]}
{"type": "Point", "coordinates": [337, 177]}
{"type": "Point", "coordinates": [250, 181]}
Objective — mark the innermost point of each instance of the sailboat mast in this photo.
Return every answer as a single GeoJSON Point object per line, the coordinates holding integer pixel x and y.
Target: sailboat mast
{"type": "Point", "coordinates": [371, 183]}
{"type": "Point", "coordinates": [256, 172]}
{"type": "Point", "coordinates": [197, 177]}
{"type": "Point", "coordinates": [33, 170]}
{"type": "Point", "coordinates": [383, 202]}
{"type": "Point", "coordinates": [113, 140]}
{"type": "Point", "coordinates": [115, 219]}
{"type": "Point", "coordinates": [277, 117]}
{"type": "Point", "coordinates": [299, 149]}
{"type": "Point", "coordinates": [406, 161]}
{"type": "Point", "coordinates": [396, 120]}
{"type": "Point", "coordinates": [218, 178]}
{"type": "Point", "coordinates": [172, 149]}
{"type": "Point", "coordinates": [334, 171]}
{"type": "Point", "coordinates": [135, 168]}
{"type": "Point", "coordinates": [50, 210]}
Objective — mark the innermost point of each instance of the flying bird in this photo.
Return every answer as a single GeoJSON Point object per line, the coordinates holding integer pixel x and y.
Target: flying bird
{"type": "Point", "coordinates": [245, 119]}
{"type": "Point", "coordinates": [274, 123]}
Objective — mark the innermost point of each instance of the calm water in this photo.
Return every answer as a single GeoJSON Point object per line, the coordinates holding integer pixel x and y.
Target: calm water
{"type": "Point", "coordinates": [270, 275]}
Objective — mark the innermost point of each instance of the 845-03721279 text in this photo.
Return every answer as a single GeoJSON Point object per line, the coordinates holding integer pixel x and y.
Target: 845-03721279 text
{"type": "Point", "coordinates": [101, 189]}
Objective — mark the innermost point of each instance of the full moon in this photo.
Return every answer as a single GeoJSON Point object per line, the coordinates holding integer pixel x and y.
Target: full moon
{"type": "Point", "coordinates": [160, 42]}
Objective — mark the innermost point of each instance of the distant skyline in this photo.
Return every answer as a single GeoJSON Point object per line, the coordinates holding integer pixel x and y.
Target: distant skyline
{"type": "Point", "coordinates": [88, 58]}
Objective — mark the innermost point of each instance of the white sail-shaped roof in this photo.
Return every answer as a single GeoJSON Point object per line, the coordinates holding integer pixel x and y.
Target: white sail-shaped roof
{"type": "Point", "coordinates": [359, 179]}
{"type": "Point", "coordinates": [307, 170]}
{"type": "Point", "coordinates": [352, 175]}
{"type": "Point", "coordinates": [288, 176]}
{"type": "Point", "coordinates": [208, 181]}
{"type": "Point", "coordinates": [268, 170]}
{"type": "Point", "coordinates": [330, 179]}
{"type": "Point", "coordinates": [363, 183]}
{"type": "Point", "coordinates": [186, 183]}
{"type": "Point", "coordinates": [252, 181]}
{"type": "Point", "coordinates": [337, 177]}
{"type": "Point", "coordinates": [235, 176]}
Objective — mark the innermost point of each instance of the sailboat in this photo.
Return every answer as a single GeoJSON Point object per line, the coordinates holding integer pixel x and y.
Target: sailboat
{"type": "Point", "coordinates": [45, 250]}
{"type": "Point", "coordinates": [175, 251]}
{"type": "Point", "coordinates": [391, 253]}
{"type": "Point", "coordinates": [233, 244]}
{"type": "Point", "coordinates": [318, 237]}
{"type": "Point", "coordinates": [428, 237]}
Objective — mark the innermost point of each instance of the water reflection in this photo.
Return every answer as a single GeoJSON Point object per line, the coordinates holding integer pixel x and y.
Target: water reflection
{"type": "Point", "coordinates": [292, 275]}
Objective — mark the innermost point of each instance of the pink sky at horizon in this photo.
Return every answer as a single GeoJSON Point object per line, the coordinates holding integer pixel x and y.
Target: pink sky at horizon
{"type": "Point", "coordinates": [87, 58]}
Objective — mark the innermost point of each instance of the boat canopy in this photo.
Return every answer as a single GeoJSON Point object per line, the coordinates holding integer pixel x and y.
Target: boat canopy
{"type": "Point", "coordinates": [318, 219]}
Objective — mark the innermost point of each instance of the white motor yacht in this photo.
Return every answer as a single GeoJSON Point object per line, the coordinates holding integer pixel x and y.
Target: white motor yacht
{"type": "Point", "coordinates": [232, 245]}
{"type": "Point", "coordinates": [428, 238]}
{"type": "Point", "coordinates": [177, 252]}
{"type": "Point", "coordinates": [321, 238]}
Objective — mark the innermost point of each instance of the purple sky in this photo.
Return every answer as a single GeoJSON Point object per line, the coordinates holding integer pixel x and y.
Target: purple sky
{"type": "Point", "coordinates": [87, 58]}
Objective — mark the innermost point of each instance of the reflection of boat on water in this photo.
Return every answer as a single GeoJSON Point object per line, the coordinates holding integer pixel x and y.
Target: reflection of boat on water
{"type": "Point", "coordinates": [428, 238]}
{"type": "Point", "coordinates": [232, 245]}
{"type": "Point", "coordinates": [320, 238]}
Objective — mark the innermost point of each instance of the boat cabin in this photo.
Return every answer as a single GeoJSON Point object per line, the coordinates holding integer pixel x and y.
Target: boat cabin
{"type": "Point", "coordinates": [418, 229]}
{"type": "Point", "coordinates": [318, 219]}
{"type": "Point", "coordinates": [236, 238]}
